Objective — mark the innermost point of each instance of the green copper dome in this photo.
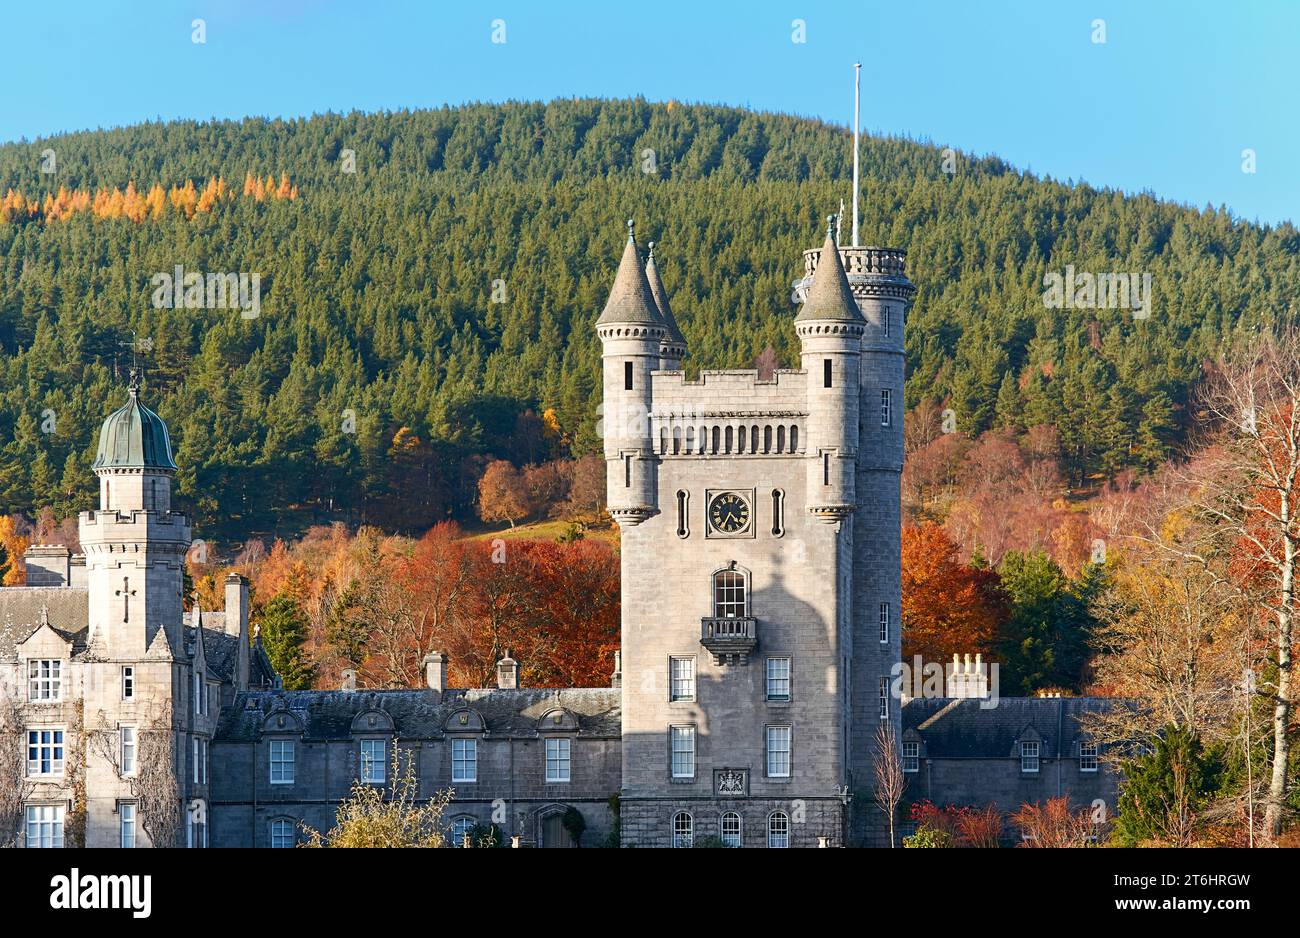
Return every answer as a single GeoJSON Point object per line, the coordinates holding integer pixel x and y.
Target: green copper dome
{"type": "Point", "coordinates": [134, 437]}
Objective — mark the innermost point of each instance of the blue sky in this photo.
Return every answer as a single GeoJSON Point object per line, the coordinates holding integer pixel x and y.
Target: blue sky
{"type": "Point", "coordinates": [1168, 103]}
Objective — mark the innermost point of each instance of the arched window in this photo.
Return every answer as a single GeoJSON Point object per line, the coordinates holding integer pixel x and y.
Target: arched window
{"type": "Point", "coordinates": [778, 512]}
{"type": "Point", "coordinates": [730, 438]}
{"type": "Point", "coordinates": [716, 438]}
{"type": "Point", "coordinates": [730, 829]}
{"type": "Point", "coordinates": [780, 439]}
{"type": "Point", "coordinates": [683, 830]}
{"type": "Point", "coordinates": [663, 439]}
{"type": "Point", "coordinates": [767, 439]}
{"type": "Point", "coordinates": [753, 439]}
{"type": "Point", "coordinates": [740, 439]}
{"type": "Point", "coordinates": [677, 440]}
{"type": "Point", "coordinates": [690, 439]}
{"type": "Point", "coordinates": [730, 595]}
{"type": "Point", "coordinates": [683, 500]}
{"type": "Point", "coordinates": [284, 833]}
{"type": "Point", "coordinates": [461, 828]}
{"type": "Point", "coordinates": [778, 830]}
{"type": "Point", "coordinates": [794, 439]}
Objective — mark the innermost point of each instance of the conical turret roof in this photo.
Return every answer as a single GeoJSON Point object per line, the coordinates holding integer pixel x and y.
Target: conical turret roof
{"type": "Point", "coordinates": [630, 299]}
{"type": "Point", "coordinates": [661, 297]}
{"type": "Point", "coordinates": [829, 295]}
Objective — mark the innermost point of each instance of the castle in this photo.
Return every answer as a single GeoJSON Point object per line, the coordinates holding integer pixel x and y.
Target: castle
{"type": "Point", "coordinates": [760, 521]}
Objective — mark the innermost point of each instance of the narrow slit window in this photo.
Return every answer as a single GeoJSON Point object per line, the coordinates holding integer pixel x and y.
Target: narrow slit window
{"type": "Point", "coordinates": [627, 471]}
{"type": "Point", "coordinates": [780, 439]}
{"type": "Point", "coordinates": [794, 439]}
{"type": "Point", "coordinates": [826, 373]}
{"type": "Point", "coordinates": [767, 439]}
{"type": "Point", "coordinates": [884, 320]}
{"type": "Point", "coordinates": [753, 439]}
{"type": "Point", "coordinates": [826, 468]}
{"type": "Point", "coordinates": [682, 501]}
{"type": "Point", "coordinates": [627, 376]}
{"type": "Point", "coordinates": [884, 622]}
{"type": "Point", "coordinates": [778, 513]}
{"type": "Point", "coordinates": [886, 406]}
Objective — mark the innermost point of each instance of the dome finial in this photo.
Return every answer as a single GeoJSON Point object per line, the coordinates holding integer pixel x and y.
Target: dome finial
{"type": "Point", "coordinates": [134, 386]}
{"type": "Point", "coordinates": [651, 246]}
{"type": "Point", "coordinates": [631, 224]}
{"type": "Point", "coordinates": [830, 226]}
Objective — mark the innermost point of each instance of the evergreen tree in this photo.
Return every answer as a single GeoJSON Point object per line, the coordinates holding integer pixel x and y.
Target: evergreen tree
{"type": "Point", "coordinates": [284, 633]}
{"type": "Point", "coordinates": [1163, 790]}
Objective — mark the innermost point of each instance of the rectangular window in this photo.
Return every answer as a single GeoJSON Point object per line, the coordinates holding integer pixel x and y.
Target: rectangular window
{"type": "Point", "coordinates": [884, 622]}
{"type": "Point", "coordinates": [681, 678]}
{"type": "Point", "coordinates": [1088, 757]}
{"type": "Point", "coordinates": [127, 734]}
{"type": "Point", "coordinates": [372, 761]}
{"type": "Point", "coordinates": [45, 752]}
{"type": "Point", "coordinates": [884, 698]}
{"type": "Point", "coordinates": [281, 761]}
{"type": "Point", "coordinates": [283, 834]}
{"type": "Point", "coordinates": [778, 678]}
{"type": "Point", "coordinates": [627, 376]}
{"type": "Point", "coordinates": [464, 760]}
{"type": "Point", "coordinates": [199, 750]}
{"type": "Point", "coordinates": [194, 760]}
{"type": "Point", "coordinates": [886, 407]}
{"type": "Point", "coordinates": [884, 319]}
{"type": "Point", "coordinates": [826, 372]}
{"type": "Point", "coordinates": [198, 694]}
{"type": "Point", "coordinates": [126, 824]}
{"type": "Point", "coordinates": [557, 760]}
{"type": "Point", "coordinates": [45, 825]}
{"type": "Point", "coordinates": [911, 757]}
{"type": "Point", "coordinates": [45, 680]}
{"type": "Point", "coordinates": [203, 761]}
{"type": "Point", "coordinates": [778, 751]}
{"type": "Point", "coordinates": [128, 682]}
{"type": "Point", "coordinates": [683, 746]}
{"type": "Point", "coordinates": [1029, 757]}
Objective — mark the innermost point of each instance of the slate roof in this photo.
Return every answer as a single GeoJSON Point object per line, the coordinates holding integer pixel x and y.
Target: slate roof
{"type": "Point", "coordinates": [20, 613]}
{"type": "Point", "coordinates": [829, 296]}
{"type": "Point", "coordinates": [660, 296]}
{"type": "Point", "coordinates": [630, 299]}
{"type": "Point", "coordinates": [953, 728]}
{"type": "Point", "coordinates": [423, 713]}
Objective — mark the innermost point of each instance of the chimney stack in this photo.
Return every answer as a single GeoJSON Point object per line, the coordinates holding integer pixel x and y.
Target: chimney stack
{"type": "Point", "coordinates": [237, 625]}
{"type": "Point", "coordinates": [349, 684]}
{"type": "Point", "coordinates": [48, 565]}
{"type": "Point", "coordinates": [507, 673]}
{"type": "Point", "coordinates": [616, 679]}
{"type": "Point", "coordinates": [968, 680]}
{"type": "Point", "coordinates": [435, 671]}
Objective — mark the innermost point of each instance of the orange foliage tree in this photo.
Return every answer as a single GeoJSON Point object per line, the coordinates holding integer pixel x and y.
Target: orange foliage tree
{"type": "Point", "coordinates": [948, 607]}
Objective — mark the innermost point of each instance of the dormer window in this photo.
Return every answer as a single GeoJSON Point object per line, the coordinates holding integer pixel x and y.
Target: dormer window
{"type": "Point", "coordinates": [1029, 758]}
{"type": "Point", "coordinates": [45, 680]}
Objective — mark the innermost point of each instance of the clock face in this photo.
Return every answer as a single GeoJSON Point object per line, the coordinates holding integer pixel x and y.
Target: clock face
{"type": "Point", "coordinates": [729, 513]}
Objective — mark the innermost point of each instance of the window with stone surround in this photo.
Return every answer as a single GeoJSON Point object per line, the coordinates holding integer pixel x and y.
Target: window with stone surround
{"type": "Point", "coordinates": [284, 834]}
{"type": "Point", "coordinates": [911, 757]}
{"type": "Point", "coordinates": [778, 751]}
{"type": "Point", "coordinates": [45, 825]}
{"type": "Point", "coordinates": [778, 678]}
{"type": "Point", "coordinates": [45, 680]}
{"type": "Point", "coordinates": [374, 766]}
{"type": "Point", "coordinates": [558, 761]}
{"type": "Point", "coordinates": [730, 595]}
{"type": "Point", "coordinates": [281, 761]}
{"type": "Point", "coordinates": [778, 830]}
{"type": "Point", "coordinates": [729, 827]}
{"type": "Point", "coordinates": [683, 829]}
{"type": "Point", "coordinates": [682, 741]}
{"type": "Point", "coordinates": [127, 750]}
{"type": "Point", "coordinates": [45, 753]}
{"type": "Point", "coordinates": [128, 682]}
{"type": "Point", "coordinates": [1087, 757]}
{"type": "Point", "coordinates": [126, 824]}
{"type": "Point", "coordinates": [1029, 758]}
{"type": "Point", "coordinates": [884, 622]}
{"type": "Point", "coordinates": [464, 761]}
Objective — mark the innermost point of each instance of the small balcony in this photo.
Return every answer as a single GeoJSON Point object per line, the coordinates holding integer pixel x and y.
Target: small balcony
{"type": "Point", "coordinates": [730, 640]}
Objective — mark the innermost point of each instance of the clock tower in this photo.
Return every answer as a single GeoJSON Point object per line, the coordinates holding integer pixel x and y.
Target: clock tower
{"type": "Point", "coordinates": [760, 561]}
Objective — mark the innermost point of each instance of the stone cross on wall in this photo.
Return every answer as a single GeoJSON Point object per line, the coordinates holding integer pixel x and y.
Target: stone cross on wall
{"type": "Point", "coordinates": [126, 593]}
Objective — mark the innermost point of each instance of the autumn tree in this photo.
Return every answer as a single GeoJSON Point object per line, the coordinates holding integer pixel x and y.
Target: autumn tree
{"type": "Point", "coordinates": [948, 607]}
{"type": "Point", "coordinates": [1245, 500]}
{"type": "Point", "coordinates": [1164, 790]}
{"type": "Point", "coordinates": [503, 493]}
{"type": "Point", "coordinates": [387, 816]}
{"type": "Point", "coordinates": [1054, 823]}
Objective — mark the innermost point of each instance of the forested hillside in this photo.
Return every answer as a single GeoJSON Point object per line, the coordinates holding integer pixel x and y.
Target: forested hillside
{"type": "Point", "coordinates": [377, 294]}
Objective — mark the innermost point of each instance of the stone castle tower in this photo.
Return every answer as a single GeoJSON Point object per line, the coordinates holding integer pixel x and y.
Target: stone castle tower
{"type": "Point", "coordinates": [760, 560]}
{"type": "Point", "coordinates": [136, 676]}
